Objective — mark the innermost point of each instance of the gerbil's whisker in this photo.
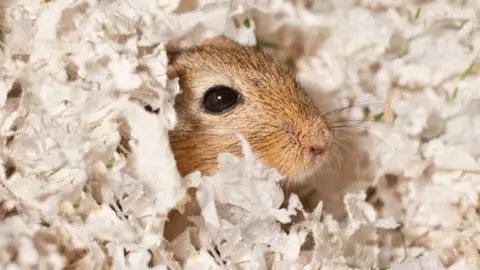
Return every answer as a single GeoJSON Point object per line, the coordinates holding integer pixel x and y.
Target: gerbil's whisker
{"type": "Point", "coordinates": [360, 121]}
{"type": "Point", "coordinates": [340, 146]}
{"type": "Point", "coordinates": [346, 125]}
{"type": "Point", "coordinates": [283, 183]}
{"type": "Point", "coordinates": [354, 127]}
{"type": "Point", "coordinates": [338, 162]}
{"type": "Point", "coordinates": [341, 141]}
{"type": "Point", "coordinates": [350, 107]}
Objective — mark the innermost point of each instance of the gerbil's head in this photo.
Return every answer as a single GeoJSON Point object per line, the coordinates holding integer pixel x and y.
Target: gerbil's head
{"type": "Point", "coordinates": [228, 88]}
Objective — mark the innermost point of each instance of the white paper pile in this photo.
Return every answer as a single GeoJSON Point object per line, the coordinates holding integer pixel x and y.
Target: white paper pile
{"type": "Point", "coordinates": [70, 196]}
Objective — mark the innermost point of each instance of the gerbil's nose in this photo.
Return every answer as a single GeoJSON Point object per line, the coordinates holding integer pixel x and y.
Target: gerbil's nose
{"type": "Point", "coordinates": [317, 147]}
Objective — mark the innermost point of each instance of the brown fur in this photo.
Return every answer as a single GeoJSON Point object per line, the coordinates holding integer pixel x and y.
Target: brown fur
{"type": "Point", "coordinates": [277, 118]}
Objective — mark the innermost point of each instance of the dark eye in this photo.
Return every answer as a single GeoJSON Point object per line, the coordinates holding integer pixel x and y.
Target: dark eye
{"type": "Point", "coordinates": [220, 99]}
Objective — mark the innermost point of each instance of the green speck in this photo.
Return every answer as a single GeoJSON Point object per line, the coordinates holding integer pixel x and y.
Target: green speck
{"type": "Point", "coordinates": [467, 72]}
{"type": "Point", "coordinates": [110, 163]}
{"type": "Point", "coordinates": [246, 22]}
{"type": "Point", "coordinates": [455, 92]}
{"type": "Point", "coordinates": [44, 223]}
{"type": "Point", "coordinates": [404, 52]}
{"type": "Point", "coordinates": [366, 112]}
{"type": "Point", "coordinates": [417, 14]}
{"type": "Point", "coordinates": [261, 44]}
{"type": "Point", "coordinates": [378, 117]}
{"type": "Point", "coordinates": [122, 150]}
{"type": "Point", "coordinates": [464, 75]}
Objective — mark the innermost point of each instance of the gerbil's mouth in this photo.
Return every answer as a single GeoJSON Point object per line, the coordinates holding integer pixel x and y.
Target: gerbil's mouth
{"type": "Point", "coordinates": [312, 171]}
{"type": "Point", "coordinates": [304, 176]}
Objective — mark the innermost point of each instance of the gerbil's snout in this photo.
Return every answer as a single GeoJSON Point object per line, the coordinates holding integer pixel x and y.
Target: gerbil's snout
{"type": "Point", "coordinates": [317, 147]}
{"type": "Point", "coordinates": [318, 142]}
{"type": "Point", "coordinates": [307, 139]}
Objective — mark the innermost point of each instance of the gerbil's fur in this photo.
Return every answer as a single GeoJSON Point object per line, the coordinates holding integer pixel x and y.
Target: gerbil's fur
{"type": "Point", "coordinates": [278, 119]}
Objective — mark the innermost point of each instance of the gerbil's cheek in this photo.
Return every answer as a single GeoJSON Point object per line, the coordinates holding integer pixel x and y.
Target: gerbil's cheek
{"type": "Point", "coordinates": [197, 141]}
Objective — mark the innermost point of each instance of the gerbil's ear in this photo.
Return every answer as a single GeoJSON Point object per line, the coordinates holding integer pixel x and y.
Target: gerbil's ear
{"type": "Point", "coordinates": [172, 52]}
{"type": "Point", "coordinates": [221, 41]}
{"type": "Point", "coordinates": [173, 69]}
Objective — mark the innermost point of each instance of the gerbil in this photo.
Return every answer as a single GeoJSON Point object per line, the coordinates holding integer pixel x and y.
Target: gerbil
{"type": "Point", "coordinates": [229, 88]}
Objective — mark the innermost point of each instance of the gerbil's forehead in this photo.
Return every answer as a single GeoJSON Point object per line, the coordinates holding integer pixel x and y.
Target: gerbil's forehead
{"type": "Point", "coordinates": [243, 69]}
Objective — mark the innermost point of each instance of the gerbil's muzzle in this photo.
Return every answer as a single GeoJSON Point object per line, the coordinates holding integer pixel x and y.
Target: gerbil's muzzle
{"type": "Point", "coordinates": [319, 140]}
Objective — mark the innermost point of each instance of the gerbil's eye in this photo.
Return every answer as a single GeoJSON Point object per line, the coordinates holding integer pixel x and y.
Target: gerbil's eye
{"type": "Point", "coordinates": [220, 99]}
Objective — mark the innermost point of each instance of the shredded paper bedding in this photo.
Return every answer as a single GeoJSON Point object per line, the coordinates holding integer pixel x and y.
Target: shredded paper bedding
{"type": "Point", "coordinates": [72, 197]}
